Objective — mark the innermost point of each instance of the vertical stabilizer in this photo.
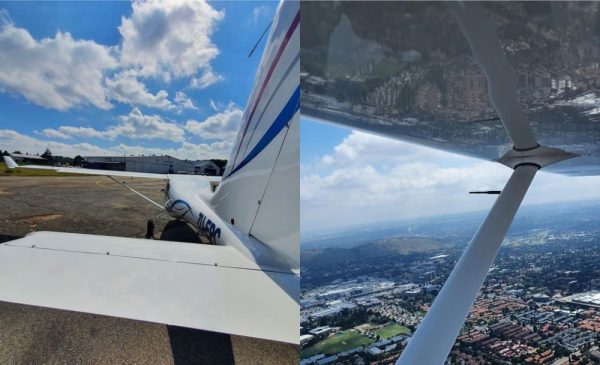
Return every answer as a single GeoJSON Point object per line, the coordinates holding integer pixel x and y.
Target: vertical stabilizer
{"type": "Point", "coordinates": [259, 193]}
{"type": "Point", "coordinates": [10, 163]}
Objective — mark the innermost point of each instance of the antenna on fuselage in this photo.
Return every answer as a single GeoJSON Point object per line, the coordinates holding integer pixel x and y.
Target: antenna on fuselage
{"type": "Point", "coordinates": [259, 39]}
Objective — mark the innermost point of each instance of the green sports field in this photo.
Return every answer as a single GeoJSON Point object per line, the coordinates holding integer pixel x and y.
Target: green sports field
{"type": "Point", "coordinates": [342, 341]}
{"type": "Point", "coordinates": [392, 330]}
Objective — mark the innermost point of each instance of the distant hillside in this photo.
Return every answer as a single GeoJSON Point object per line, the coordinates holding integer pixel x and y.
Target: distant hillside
{"type": "Point", "coordinates": [385, 247]}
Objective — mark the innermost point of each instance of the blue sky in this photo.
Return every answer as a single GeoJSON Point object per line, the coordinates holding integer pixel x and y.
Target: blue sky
{"type": "Point", "coordinates": [127, 78]}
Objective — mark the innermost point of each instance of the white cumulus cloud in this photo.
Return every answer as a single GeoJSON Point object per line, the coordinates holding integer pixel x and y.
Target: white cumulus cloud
{"type": "Point", "coordinates": [135, 125]}
{"type": "Point", "coordinates": [126, 88]}
{"type": "Point", "coordinates": [169, 38]}
{"type": "Point", "coordinates": [207, 78]}
{"type": "Point", "coordinates": [49, 132]}
{"type": "Point", "coordinates": [160, 40]}
{"type": "Point", "coordinates": [259, 12]}
{"type": "Point", "coordinates": [58, 72]}
{"type": "Point", "coordinates": [85, 132]}
{"type": "Point", "coordinates": [222, 125]}
{"type": "Point", "coordinates": [367, 179]}
{"type": "Point", "coordinates": [183, 101]}
{"type": "Point", "coordinates": [11, 140]}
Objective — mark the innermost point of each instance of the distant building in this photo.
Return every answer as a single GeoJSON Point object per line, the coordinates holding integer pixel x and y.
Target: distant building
{"type": "Point", "coordinates": [320, 331]}
{"type": "Point", "coordinates": [164, 164]}
{"type": "Point", "coordinates": [328, 360]}
{"type": "Point", "coordinates": [415, 291]}
{"type": "Point", "coordinates": [304, 339]}
{"type": "Point", "coordinates": [590, 298]}
{"type": "Point", "coordinates": [333, 309]}
{"type": "Point", "coordinates": [207, 168]}
{"type": "Point", "coordinates": [541, 299]}
{"type": "Point", "coordinates": [374, 351]}
{"type": "Point", "coordinates": [312, 360]}
{"type": "Point", "coordinates": [342, 293]}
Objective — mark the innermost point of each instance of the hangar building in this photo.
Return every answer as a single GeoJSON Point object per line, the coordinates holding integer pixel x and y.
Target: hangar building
{"type": "Point", "coordinates": [152, 164]}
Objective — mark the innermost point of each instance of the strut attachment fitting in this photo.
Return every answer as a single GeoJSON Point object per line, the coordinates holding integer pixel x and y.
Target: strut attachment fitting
{"type": "Point", "coordinates": [540, 156]}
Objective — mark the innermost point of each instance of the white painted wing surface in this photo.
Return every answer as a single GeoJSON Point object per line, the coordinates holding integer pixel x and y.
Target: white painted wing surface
{"type": "Point", "coordinates": [11, 164]}
{"type": "Point", "coordinates": [206, 287]}
{"type": "Point", "coordinates": [77, 170]}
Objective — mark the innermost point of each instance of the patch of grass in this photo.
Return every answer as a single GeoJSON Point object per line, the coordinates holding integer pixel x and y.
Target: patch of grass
{"type": "Point", "coordinates": [340, 342]}
{"type": "Point", "coordinates": [391, 330]}
{"type": "Point", "coordinates": [31, 172]}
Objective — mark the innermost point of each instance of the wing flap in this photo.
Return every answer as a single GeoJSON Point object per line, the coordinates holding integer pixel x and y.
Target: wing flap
{"type": "Point", "coordinates": [199, 286]}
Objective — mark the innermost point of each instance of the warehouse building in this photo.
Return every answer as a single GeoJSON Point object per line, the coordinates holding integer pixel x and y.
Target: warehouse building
{"type": "Point", "coordinates": [164, 164]}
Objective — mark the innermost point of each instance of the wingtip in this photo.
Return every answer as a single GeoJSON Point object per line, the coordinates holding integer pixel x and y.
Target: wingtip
{"type": "Point", "coordinates": [10, 163]}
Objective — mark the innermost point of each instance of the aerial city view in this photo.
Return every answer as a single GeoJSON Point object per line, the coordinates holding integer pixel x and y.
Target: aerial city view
{"type": "Point", "coordinates": [419, 244]}
{"type": "Point", "coordinates": [365, 291]}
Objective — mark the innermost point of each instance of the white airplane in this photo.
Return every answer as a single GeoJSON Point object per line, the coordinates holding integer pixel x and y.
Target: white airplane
{"type": "Point", "coordinates": [450, 76]}
{"type": "Point", "coordinates": [247, 282]}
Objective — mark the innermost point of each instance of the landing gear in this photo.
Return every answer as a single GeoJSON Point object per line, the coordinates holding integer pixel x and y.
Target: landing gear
{"type": "Point", "coordinates": [150, 229]}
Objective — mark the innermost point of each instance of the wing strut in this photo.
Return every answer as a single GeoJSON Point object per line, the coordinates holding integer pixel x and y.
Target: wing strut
{"type": "Point", "coordinates": [436, 334]}
{"type": "Point", "coordinates": [480, 32]}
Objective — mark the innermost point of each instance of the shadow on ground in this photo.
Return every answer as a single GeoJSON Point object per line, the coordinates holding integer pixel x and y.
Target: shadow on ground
{"type": "Point", "coordinates": [190, 346]}
{"type": "Point", "coordinates": [179, 231]}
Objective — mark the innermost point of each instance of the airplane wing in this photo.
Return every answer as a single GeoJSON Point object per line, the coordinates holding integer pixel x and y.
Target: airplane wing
{"type": "Point", "coordinates": [199, 286]}
{"type": "Point", "coordinates": [77, 170]}
{"type": "Point", "coordinates": [418, 78]}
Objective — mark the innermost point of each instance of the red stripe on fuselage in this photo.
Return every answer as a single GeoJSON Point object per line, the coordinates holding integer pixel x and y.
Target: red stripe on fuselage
{"type": "Point", "coordinates": [284, 43]}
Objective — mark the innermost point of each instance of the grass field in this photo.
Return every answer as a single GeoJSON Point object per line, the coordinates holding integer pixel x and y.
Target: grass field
{"type": "Point", "coordinates": [31, 172]}
{"type": "Point", "coordinates": [391, 330]}
{"type": "Point", "coordinates": [341, 342]}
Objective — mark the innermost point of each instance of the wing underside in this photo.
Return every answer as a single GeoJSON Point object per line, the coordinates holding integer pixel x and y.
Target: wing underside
{"type": "Point", "coordinates": [206, 287]}
{"type": "Point", "coordinates": [422, 80]}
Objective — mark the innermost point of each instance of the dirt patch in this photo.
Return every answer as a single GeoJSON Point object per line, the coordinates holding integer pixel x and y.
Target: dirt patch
{"type": "Point", "coordinates": [2, 192]}
{"type": "Point", "coordinates": [39, 218]}
{"type": "Point", "coordinates": [119, 206]}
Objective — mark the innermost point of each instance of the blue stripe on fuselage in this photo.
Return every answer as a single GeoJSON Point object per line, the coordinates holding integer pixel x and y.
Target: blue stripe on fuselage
{"type": "Point", "coordinates": [288, 111]}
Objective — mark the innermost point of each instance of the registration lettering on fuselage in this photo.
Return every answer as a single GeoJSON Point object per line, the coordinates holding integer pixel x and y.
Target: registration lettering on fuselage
{"type": "Point", "coordinates": [208, 227]}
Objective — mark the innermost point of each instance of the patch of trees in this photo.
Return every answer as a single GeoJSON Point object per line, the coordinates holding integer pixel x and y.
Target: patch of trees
{"type": "Point", "coordinates": [78, 160]}
{"type": "Point", "coordinates": [349, 318]}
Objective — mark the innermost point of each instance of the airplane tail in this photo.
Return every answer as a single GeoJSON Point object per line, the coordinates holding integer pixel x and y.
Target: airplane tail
{"type": "Point", "coordinates": [10, 163]}
{"type": "Point", "coordinates": [259, 192]}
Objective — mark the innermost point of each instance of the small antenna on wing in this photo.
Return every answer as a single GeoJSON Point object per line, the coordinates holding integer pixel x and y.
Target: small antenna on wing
{"type": "Point", "coordinates": [258, 41]}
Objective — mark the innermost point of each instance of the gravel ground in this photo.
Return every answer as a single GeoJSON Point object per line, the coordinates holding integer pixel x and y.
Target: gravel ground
{"type": "Point", "coordinates": [99, 205]}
